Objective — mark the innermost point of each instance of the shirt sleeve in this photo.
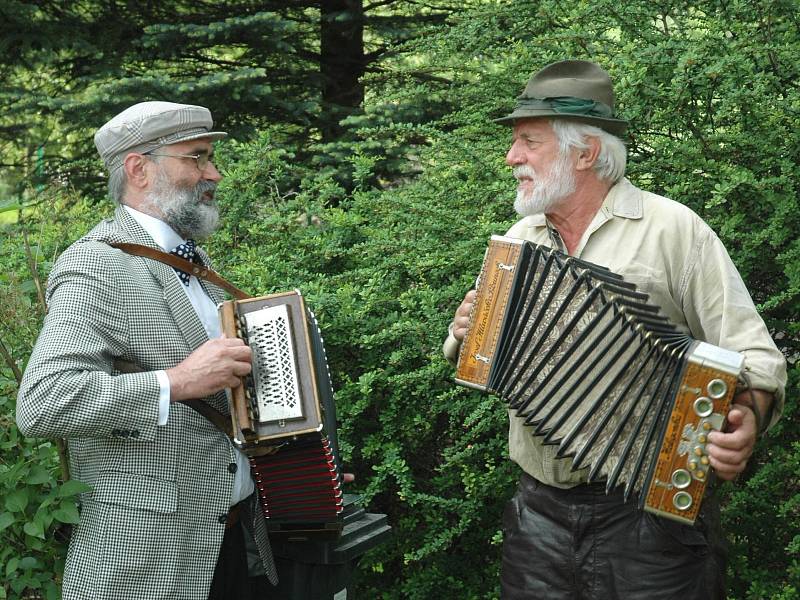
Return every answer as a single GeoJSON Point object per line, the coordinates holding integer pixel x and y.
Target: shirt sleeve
{"type": "Point", "coordinates": [451, 346]}
{"type": "Point", "coordinates": [719, 310]}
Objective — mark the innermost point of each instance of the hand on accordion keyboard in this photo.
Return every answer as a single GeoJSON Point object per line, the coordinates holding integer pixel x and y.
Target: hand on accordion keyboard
{"type": "Point", "coordinates": [729, 450]}
{"type": "Point", "coordinates": [461, 320]}
{"type": "Point", "coordinates": [214, 366]}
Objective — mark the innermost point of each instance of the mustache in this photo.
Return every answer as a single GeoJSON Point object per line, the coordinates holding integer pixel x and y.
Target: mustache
{"type": "Point", "coordinates": [523, 171]}
{"type": "Point", "coordinates": [204, 187]}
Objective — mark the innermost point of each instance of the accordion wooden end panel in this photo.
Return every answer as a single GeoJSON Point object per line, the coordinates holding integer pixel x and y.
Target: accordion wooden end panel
{"type": "Point", "coordinates": [593, 368]}
{"type": "Point", "coordinates": [496, 279]}
{"type": "Point", "coordinates": [283, 415]}
{"type": "Point", "coordinates": [681, 474]}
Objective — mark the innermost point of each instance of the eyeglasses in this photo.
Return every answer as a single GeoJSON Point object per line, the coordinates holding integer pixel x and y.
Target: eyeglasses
{"type": "Point", "coordinates": [202, 159]}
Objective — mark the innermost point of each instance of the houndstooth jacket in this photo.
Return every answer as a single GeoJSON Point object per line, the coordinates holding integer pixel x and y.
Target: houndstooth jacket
{"type": "Point", "coordinates": [153, 523]}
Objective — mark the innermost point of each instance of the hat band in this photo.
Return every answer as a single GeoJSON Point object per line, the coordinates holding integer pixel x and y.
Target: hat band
{"type": "Point", "coordinates": [115, 161]}
{"type": "Point", "coordinates": [567, 105]}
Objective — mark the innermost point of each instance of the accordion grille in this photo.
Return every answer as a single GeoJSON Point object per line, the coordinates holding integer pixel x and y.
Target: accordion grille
{"type": "Point", "coordinates": [274, 372]}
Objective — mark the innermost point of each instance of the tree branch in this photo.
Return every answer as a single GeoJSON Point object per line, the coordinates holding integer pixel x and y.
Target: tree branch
{"type": "Point", "coordinates": [34, 272]}
{"type": "Point", "coordinates": [9, 360]}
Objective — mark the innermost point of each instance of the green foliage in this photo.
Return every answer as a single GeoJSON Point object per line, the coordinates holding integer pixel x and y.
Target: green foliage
{"type": "Point", "coordinates": [385, 252]}
{"type": "Point", "coordinates": [36, 505]}
{"type": "Point", "coordinates": [66, 68]}
{"type": "Point", "coordinates": [379, 274]}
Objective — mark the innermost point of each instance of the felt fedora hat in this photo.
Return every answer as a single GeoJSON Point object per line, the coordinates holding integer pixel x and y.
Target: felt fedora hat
{"type": "Point", "coordinates": [146, 126]}
{"type": "Point", "coordinates": [571, 89]}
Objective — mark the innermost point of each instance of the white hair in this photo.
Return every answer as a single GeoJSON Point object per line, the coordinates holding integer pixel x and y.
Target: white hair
{"type": "Point", "coordinates": [612, 159]}
{"type": "Point", "coordinates": [117, 184]}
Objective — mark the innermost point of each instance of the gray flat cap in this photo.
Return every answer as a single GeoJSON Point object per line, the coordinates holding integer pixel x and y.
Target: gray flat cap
{"type": "Point", "coordinates": [149, 125]}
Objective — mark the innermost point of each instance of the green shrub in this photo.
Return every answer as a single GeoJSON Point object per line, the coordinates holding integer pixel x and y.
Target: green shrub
{"type": "Point", "coordinates": [712, 96]}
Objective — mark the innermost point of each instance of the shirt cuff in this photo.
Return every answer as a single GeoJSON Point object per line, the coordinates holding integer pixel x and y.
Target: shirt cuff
{"type": "Point", "coordinates": [163, 397]}
{"type": "Point", "coordinates": [451, 346]}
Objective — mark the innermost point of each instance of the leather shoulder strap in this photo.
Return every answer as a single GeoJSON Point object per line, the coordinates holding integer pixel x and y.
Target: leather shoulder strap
{"type": "Point", "coordinates": [177, 262]}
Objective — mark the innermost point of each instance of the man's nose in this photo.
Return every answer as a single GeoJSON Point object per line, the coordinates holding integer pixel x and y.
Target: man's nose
{"type": "Point", "coordinates": [515, 156]}
{"type": "Point", "coordinates": [210, 173]}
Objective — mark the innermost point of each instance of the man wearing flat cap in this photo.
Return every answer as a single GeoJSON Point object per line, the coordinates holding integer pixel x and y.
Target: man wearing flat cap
{"type": "Point", "coordinates": [171, 499]}
{"type": "Point", "coordinates": [564, 537]}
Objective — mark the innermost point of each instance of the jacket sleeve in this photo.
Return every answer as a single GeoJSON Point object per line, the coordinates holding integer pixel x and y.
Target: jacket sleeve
{"type": "Point", "coordinates": [70, 388]}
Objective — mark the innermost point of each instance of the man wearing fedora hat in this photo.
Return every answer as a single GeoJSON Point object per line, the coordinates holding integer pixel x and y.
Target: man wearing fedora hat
{"type": "Point", "coordinates": [171, 499]}
{"type": "Point", "coordinates": [563, 537]}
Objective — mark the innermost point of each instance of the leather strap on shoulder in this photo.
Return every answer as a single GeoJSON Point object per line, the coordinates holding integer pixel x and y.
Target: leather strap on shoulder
{"type": "Point", "coordinates": [176, 262]}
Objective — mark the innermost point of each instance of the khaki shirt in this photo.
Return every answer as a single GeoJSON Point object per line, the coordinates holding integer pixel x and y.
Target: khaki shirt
{"type": "Point", "coordinates": [672, 255]}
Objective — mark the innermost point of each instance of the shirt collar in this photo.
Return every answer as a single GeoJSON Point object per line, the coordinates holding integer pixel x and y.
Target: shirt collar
{"type": "Point", "coordinates": [162, 234]}
{"type": "Point", "coordinates": [622, 200]}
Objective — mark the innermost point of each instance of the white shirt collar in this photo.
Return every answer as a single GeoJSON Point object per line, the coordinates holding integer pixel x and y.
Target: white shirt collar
{"type": "Point", "coordinates": [163, 235]}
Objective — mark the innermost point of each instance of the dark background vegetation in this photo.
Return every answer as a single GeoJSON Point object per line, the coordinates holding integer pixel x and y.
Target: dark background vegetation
{"type": "Point", "coordinates": [365, 170]}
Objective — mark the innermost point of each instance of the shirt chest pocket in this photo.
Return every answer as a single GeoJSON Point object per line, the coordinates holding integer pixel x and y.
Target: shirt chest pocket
{"type": "Point", "coordinates": [654, 282]}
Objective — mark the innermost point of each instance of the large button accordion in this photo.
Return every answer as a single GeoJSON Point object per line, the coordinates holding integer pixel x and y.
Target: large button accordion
{"type": "Point", "coordinates": [283, 415]}
{"type": "Point", "coordinates": [592, 367]}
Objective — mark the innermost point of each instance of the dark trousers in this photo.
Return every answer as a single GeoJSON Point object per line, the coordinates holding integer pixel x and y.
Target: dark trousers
{"type": "Point", "coordinates": [581, 544]}
{"type": "Point", "coordinates": [231, 580]}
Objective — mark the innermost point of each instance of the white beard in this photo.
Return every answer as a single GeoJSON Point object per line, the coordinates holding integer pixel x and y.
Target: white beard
{"type": "Point", "coordinates": [546, 192]}
{"type": "Point", "coordinates": [185, 209]}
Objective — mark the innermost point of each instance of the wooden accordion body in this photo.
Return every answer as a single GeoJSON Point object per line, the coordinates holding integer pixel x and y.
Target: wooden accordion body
{"type": "Point", "coordinates": [283, 415]}
{"type": "Point", "coordinates": [581, 356]}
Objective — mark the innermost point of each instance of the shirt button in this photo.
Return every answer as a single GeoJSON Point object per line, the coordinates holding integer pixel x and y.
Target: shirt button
{"type": "Point", "coordinates": [232, 468]}
{"type": "Point", "coordinates": [222, 518]}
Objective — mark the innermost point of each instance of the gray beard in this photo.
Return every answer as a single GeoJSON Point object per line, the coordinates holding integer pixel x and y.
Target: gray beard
{"type": "Point", "coordinates": [185, 209]}
{"type": "Point", "coordinates": [547, 192]}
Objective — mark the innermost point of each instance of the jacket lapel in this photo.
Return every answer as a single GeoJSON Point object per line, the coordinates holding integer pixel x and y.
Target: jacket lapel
{"type": "Point", "coordinates": [174, 296]}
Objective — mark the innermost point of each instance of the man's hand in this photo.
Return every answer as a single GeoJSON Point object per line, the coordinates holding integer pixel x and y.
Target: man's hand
{"type": "Point", "coordinates": [214, 366]}
{"type": "Point", "coordinates": [729, 451]}
{"type": "Point", "coordinates": [461, 320]}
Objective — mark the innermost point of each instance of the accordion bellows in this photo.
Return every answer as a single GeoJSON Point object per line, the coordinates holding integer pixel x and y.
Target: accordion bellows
{"type": "Point", "coordinates": [283, 415]}
{"type": "Point", "coordinates": [592, 367]}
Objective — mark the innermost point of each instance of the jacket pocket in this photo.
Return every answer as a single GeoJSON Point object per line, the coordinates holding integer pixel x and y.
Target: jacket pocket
{"type": "Point", "coordinates": [136, 491]}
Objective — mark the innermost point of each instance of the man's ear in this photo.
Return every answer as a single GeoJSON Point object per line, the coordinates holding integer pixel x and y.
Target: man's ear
{"type": "Point", "coordinates": [588, 157]}
{"type": "Point", "coordinates": [136, 170]}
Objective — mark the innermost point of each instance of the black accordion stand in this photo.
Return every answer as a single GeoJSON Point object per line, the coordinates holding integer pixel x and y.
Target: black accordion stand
{"type": "Point", "coordinates": [308, 570]}
{"type": "Point", "coordinates": [284, 419]}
